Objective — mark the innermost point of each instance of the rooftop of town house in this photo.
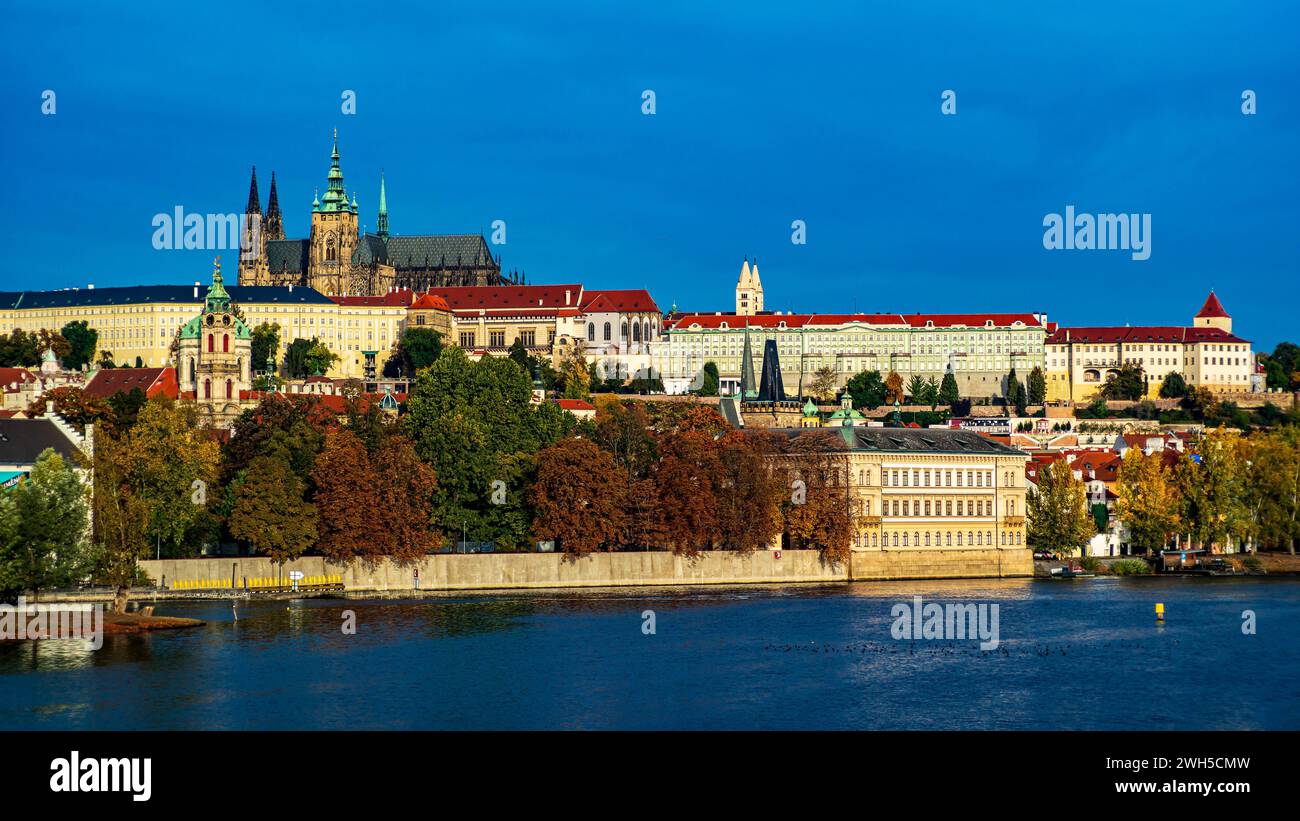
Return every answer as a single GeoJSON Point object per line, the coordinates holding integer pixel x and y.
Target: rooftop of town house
{"type": "Point", "coordinates": [901, 440]}
{"type": "Point", "coordinates": [152, 381]}
{"type": "Point", "coordinates": [719, 320]}
{"type": "Point", "coordinates": [23, 440]}
{"type": "Point", "coordinates": [152, 294]}
{"type": "Point", "coordinates": [1132, 335]}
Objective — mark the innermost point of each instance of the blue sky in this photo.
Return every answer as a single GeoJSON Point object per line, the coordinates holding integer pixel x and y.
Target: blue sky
{"type": "Point", "coordinates": [827, 113]}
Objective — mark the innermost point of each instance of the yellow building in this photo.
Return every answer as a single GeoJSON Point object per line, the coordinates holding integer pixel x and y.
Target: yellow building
{"type": "Point", "coordinates": [1207, 355]}
{"type": "Point", "coordinates": [927, 488]}
{"type": "Point", "coordinates": [138, 324]}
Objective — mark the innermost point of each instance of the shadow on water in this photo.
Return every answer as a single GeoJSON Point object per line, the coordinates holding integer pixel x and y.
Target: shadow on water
{"type": "Point", "coordinates": [1083, 654]}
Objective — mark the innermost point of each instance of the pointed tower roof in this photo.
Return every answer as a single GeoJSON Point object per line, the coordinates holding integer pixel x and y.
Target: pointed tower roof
{"type": "Point", "coordinates": [272, 204]}
{"type": "Point", "coordinates": [1212, 307]}
{"type": "Point", "coordinates": [254, 202]}
{"type": "Point", "coordinates": [381, 224]}
{"type": "Point", "coordinates": [744, 274]}
{"type": "Point", "coordinates": [336, 196]}
{"type": "Point", "coordinates": [748, 388]}
{"type": "Point", "coordinates": [754, 274]}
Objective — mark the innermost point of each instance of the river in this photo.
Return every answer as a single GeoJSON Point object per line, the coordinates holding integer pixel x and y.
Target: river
{"type": "Point", "coordinates": [1083, 654]}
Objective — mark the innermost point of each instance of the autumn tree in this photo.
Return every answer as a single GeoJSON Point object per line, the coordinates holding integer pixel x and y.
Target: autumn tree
{"type": "Point", "coordinates": [1057, 517]}
{"type": "Point", "coordinates": [817, 508]}
{"type": "Point", "coordinates": [345, 483]}
{"type": "Point", "coordinates": [269, 511]}
{"type": "Point", "coordinates": [579, 497]}
{"type": "Point", "coordinates": [1276, 470]}
{"type": "Point", "coordinates": [823, 384]}
{"type": "Point", "coordinates": [1214, 490]}
{"type": "Point", "coordinates": [894, 388]}
{"type": "Point", "coordinates": [404, 489]}
{"type": "Point", "coordinates": [1150, 504]}
{"type": "Point", "coordinates": [749, 492]}
{"type": "Point", "coordinates": [687, 506]}
{"type": "Point", "coordinates": [74, 405]}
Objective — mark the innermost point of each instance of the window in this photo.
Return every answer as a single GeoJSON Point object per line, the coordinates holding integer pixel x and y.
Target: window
{"type": "Point", "coordinates": [528, 338]}
{"type": "Point", "coordinates": [225, 343]}
{"type": "Point", "coordinates": [229, 389]}
{"type": "Point", "coordinates": [609, 331]}
{"type": "Point", "coordinates": [207, 388]}
{"type": "Point", "coordinates": [496, 339]}
{"type": "Point", "coordinates": [467, 340]}
{"type": "Point", "coordinates": [211, 343]}
{"type": "Point", "coordinates": [591, 331]}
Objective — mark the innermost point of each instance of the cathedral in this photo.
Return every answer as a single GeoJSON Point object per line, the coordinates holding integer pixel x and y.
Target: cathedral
{"type": "Point", "coordinates": [337, 259]}
{"type": "Point", "coordinates": [214, 353]}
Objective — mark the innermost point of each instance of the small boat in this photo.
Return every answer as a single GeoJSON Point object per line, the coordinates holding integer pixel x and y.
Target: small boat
{"type": "Point", "coordinates": [1071, 572]}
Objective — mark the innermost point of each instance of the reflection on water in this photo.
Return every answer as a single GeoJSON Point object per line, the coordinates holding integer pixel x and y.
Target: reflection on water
{"type": "Point", "coordinates": [1072, 655]}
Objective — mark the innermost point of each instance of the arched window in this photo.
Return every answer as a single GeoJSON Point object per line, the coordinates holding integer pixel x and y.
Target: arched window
{"type": "Point", "coordinates": [207, 388]}
{"type": "Point", "coordinates": [959, 538]}
{"type": "Point", "coordinates": [895, 540]}
{"type": "Point", "coordinates": [904, 540]}
{"type": "Point", "coordinates": [225, 343]}
{"type": "Point", "coordinates": [623, 331]}
{"type": "Point", "coordinates": [927, 539]}
{"type": "Point", "coordinates": [979, 539]}
{"type": "Point", "coordinates": [591, 331]}
{"type": "Point", "coordinates": [949, 540]}
{"type": "Point", "coordinates": [608, 331]}
{"type": "Point", "coordinates": [211, 343]}
{"type": "Point", "coordinates": [873, 540]}
{"type": "Point", "coordinates": [647, 331]}
{"type": "Point", "coordinates": [636, 332]}
{"type": "Point", "coordinates": [229, 386]}
{"type": "Point", "coordinates": [988, 538]}
{"type": "Point", "coordinates": [191, 369]}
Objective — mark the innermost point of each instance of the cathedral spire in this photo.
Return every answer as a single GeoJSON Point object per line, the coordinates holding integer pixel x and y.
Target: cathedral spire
{"type": "Point", "coordinates": [381, 226]}
{"type": "Point", "coordinates": [336, 197]}
{"type": "Point", "coordinates": [274, 221]}
{"type": "Point", "coordinates": [254, 202]}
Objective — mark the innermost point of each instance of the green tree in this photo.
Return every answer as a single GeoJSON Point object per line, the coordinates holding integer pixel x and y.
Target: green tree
{"type": "Point", "coordinates": [1282, 367]}
{"type": "Point", "coordinates": [867, 390]}
{"type": "Point", "coordinates": [1276, 474]}
{"type": "Point", "coordinates": [1173, 386]}
{"type": "Point", "coordinates": [948, 390]}
{"type": "Point", "coordinates": [269, 511]}
{"type": "Point", "coordinates": [1058, 519]}
{"type": "Point", "coordinates": [417, 348]}
{"type": "Point", "coordinates": [1037, 386]}
{"type": "Point", "coordinates": [19, 349]}
{"type": "Point", "coordinates": [1129, 383]}
{"type": "Point", "coordinates": [43, 523]}
{"type": "Point", "coordinates": [81, 340]}
{"type": "Point", "coordinates": [305, 358]}
{"type": "Point", "coordinates": [265, 347]}
{"type": "Point", "coordinates": [916, 389]}
{"type": "Point", "coordinates": [1150, 504]}
{"type": "Point", "coordinates": [709, 385]}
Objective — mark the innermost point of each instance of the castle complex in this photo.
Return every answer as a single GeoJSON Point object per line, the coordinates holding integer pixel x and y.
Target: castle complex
{"type": "Point", "coordinates": [337, 259]}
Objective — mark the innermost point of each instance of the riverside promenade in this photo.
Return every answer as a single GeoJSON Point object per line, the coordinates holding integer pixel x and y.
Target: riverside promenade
{"type": "Point", "coordinates": [517, 571]}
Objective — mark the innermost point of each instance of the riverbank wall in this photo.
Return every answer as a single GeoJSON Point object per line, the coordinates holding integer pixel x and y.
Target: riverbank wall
{"type": "Point", "coordinates": [519, 571]}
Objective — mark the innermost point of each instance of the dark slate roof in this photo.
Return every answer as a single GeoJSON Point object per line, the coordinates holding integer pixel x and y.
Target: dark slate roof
{"type": "Point", "coordinates": [370, 249]}
{"type": "Point", "coordinates": [287, 254]}
{"type": "Point", "coordinates": [149, 294]}
{"type": "Point", "coordinates": [429, 251]}
{"type": "Point", "coordinates": [908, 440]}
{"type": "Point", "coordinates": [22, 440]}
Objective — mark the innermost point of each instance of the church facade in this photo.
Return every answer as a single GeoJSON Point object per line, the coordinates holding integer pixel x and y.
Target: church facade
{"type": "Point", "coordinates": [214, 352]}
{"type": "Point", "coordinates": [338, 259]}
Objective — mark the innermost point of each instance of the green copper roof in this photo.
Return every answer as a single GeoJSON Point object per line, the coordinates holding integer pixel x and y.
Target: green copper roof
{"type": "Point", "coordinates": [336, 196]}
{"type": "Point", "coordinates": [809, 409]}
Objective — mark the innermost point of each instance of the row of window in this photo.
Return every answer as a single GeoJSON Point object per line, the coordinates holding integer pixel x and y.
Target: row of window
{"type": "Point", "coordinates": [930, 477]}
{"type": "Point", "coordinates": [940, 507]}
{"type": "Point", "coordinates": [973, 538]}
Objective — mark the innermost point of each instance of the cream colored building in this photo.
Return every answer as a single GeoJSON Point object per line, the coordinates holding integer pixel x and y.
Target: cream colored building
{"type": "Point", "coordinates": [1207, 355]}
{"type": "Point", "coordinates": [138, 323]}
{"type": "Point", "coordinates": [926, 488]}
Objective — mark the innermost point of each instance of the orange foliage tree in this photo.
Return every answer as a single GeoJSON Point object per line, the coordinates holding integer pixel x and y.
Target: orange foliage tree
{"type": "Point", "coordinates": [578, 497]}
{"type": "Point", "coordinates": [817, 513]}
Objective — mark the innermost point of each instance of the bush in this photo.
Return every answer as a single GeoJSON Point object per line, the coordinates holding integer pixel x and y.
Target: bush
{"type": "Point", "coordinates": [1130, 567]}
{"type": "Point", "coordinates": [1090, 563]}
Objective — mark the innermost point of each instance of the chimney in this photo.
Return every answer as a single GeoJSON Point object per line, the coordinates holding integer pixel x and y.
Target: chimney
{"type": "Point", "coordinates": [90, 287]}
{"type": "Point", "coordinates": [566, 296]}
{"type": "Point", "coordinates": [196, 290]}
{"type": "Point", "coordinates": [49, 407]}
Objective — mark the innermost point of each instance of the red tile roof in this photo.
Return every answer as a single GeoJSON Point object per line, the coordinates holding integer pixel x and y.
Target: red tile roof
{"type": "Point", "coordinates": [512, 297]}
{"type": "Point", "coordinates": [1212, 307]}
{"type": "Point", "coordinates": [12, 376]}
{"type": "Point", "coordinates": [889, 320]}
{"type": "Point", "coordinates": [393, 299]}
{"type": "Point", "coordinates": [619, 301]}
{"type": "Point", "coordinates": [153, 381]}
{"type": "Point", "coordinates": [574, 404]}
{"type": "Point", "coordinates": [430, 302]}
{"type": "Point", "coordinates": [1139, 333]}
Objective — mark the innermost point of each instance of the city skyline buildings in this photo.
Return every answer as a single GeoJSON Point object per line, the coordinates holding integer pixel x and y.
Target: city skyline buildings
{"type": "Point", "coordinates": [906, 209]}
